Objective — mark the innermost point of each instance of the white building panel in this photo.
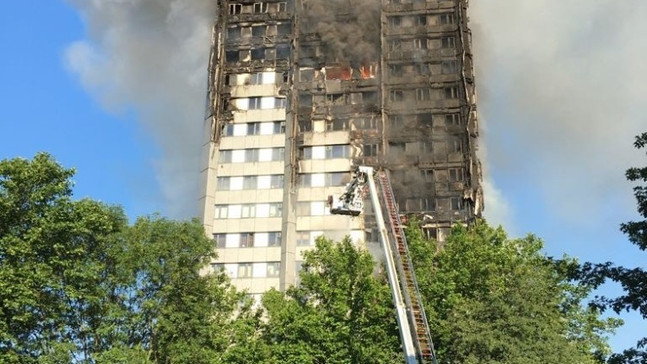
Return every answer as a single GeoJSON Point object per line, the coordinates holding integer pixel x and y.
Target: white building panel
{"type": "Point", "coordinates": [234, 211]}
{"type": "Point", "coordinates": [267, 128]}
{"type": "Point", "coordinates": [236, 183]}
{"type": "Point", "coordinates": [231, 270]}
{"type": "Point", "coordinates": [240, 129]}
{"type": "Point", "coordinates": [267, 103]}
{"type": "Point", "coordinates": [269, 78]}
{"type": "Point", "coordinates": [264, 182]}
{"type": "Point", "coordinates": [259, 270]}
{"type": "Point", "coordinates": [319, 152]}
{"type": "Point", "coordinates": [318, 180]}
{"type": "Point", "coordinates": [265, 155]}
{"type": "Point", "coordinates": [241, 103]}
{"type": "Point", "coordinates": [232, 240]}
{"type": "Point", "coordinates": [263, 210]}
{"type": "Point", "coordinates": [261, 240]}
{"type": "Point", "coordinates": [238, 156]}
{"type": "Point", "coordinates": [317, 208]}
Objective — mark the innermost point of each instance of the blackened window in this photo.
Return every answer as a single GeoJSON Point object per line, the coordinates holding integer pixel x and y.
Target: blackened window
{"type": "Point", "coordinates": [282, 51]}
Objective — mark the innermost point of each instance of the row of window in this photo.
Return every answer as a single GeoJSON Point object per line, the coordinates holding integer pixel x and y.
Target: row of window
{"type": "Point", "coordinates": [325, 152]}
{"type": "Point", "coordinates": [259, 30]}
{"type": "Point", "coordinates": [258, 8]}
{"type": "Point", "coordinates": [451, 145]}
{"type": "Point", "coordinates": [422, 69]}
{"type": "Point", "coordinates": [434, 204]}
{"type": "Point", "coordinates": [395, 45]}
{"type": "Point", "coordinates": [324, 179]}
{"type": "Point", "coordinates": [249, 182]}
{"type": "Point", "coordinates": [255, 128]}
{"type": "Point", "coordinates": [424, 94]}
{"type": "Point", "coordinates": [246, 211]}
{"type": "Point", "coordinates": [248, 240]}
{"type": "Point", "coordinates": [404, 21]}
{"type": "Point", "coordinates": [252, 155]}
{"type": "Point", "coordinates": [320, 126]}
{"type": "Point", "coordinates": [249, 270]}
{"type": "Point", "coordinates": [453, 119]}
{"type": "Point", "coordinates": [260, 103]}
{"type": "Point", "coordinates": [312, 208]}
{"type": "Point", "coordinates": [280, 51]}
{"type": "Point", "coordinates": [353, 98]}
{"type": "Point", "coordinates": [429, 176]}
{"type": "Point", "coordinates": [258, 78]}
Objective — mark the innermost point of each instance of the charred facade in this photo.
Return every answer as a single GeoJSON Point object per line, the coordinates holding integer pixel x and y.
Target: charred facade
{"type": "Point", "coordinates": [303, 91]}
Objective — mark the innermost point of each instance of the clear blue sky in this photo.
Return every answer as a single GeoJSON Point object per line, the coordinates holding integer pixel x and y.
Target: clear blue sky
{"type": "Point", "coordinates": [45, 108]}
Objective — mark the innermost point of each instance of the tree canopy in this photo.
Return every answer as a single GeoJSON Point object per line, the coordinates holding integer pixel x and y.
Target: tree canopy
{"type": "Point", "coordinates": [492, 299]}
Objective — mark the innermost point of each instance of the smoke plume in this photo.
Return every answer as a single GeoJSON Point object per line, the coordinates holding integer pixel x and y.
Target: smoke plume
{"type": "Point", "coordinates": [562, 85]}
{"type": "Point", "coordinates": [349, 30]}
{"type": "Point", "coordinates": [151, 56]}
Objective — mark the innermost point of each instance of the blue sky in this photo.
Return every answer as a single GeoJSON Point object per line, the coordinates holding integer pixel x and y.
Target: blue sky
{"type": "Point", "coordinates": [111, 91]}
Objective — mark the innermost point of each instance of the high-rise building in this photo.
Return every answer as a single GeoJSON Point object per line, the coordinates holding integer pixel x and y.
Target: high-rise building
{"type": "Point", "coordinates": [301, 92]}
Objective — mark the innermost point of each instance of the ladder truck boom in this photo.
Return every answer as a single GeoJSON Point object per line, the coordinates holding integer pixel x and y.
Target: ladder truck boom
{"type": "Point", "coordinates": [412, 322]}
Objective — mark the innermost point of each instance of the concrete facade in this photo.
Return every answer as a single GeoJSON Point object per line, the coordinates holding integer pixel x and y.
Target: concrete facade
{"type": "Point", "coordinates": [301, 92]}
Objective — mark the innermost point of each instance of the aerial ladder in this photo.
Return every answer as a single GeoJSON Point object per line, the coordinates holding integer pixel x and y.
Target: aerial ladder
{"type": "Point", "coordinates": [412, 321]}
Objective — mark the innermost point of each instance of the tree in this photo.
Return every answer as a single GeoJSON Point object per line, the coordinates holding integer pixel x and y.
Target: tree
{"type": "Point", "coordinates": [491, 299]}
{"type": "Point", "coordinates": [340, 313]}
{"type": "Point", "coordinates": [632, 280]}
{"type": "Point", "coordinates": [78, 284]}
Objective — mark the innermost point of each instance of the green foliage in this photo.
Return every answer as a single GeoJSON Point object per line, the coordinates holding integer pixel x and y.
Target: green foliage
{"type": "Point", "coordinates": [78, 284]}
{"type": "Point", "coordinates": [632, 280]}
{"type": "Point", "coordinates": [494, 299]}
{"type": "Point", "coordinates": [340, 313]}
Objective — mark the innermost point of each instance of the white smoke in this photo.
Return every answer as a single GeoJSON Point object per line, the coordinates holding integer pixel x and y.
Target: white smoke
{"type": "Point", "coordinates": [562, 85]}
{"type": "Point", "coordinates": [151, 55]}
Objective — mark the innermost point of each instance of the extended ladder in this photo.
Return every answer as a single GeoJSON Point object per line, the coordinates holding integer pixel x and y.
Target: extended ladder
{"type": "Point", "coordinates": [412, 321]}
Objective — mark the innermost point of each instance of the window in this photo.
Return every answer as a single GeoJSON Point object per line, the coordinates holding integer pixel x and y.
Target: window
{"type": "Point", "coordinates": [273, 269]}
{"type": "Point", "coordinates": [421, 20]}
{"type": "Point", "coordinates": [220, 240]}
{"type": "Point", "coordinates": [228, 130]}
{"type": "Point", "coordinates": [244, 270]}
{"type": "Point", "coordinates": [395, 21]}
{"type": "Point", "coordinates": [256, 79]}
{"type": "Point", "coordinates": [305, 126]}
{"type": "Point", "coordinates": [303, 208]}
{"type": "Point", "coordinates": [336, 98]}
{"type": "Point", "coordinates": [280, 103]}
{"type": "Point", "coordinates": [276, 181]}
{"type": "Point", "coordinates": [305, 180]}
{"type": "Point", "coordinates": [423, 94]}
{"type": "Point", "coordinates": [217, 267]}
{"type": "Point", "coordinates": [249, 182]}
{"type": "Point", "coordinates": [451, 92]}
{"type": "Point", "coordinates": [422, 69]}
{"type": "Point", "coordinates": [366, 123]}
{"type": "Point", "coordinates": [247, 211]}
{"type": "Point", "coordinates": [452, 119]}
{"type": "Point", "coordinates": [455, 145]}
{"type": "Point", "coordinates": [254, 103]}
{"type": "Point", "coordinates": [278, 154]}
{"type": "Point", "coordinates": [225, 156]}
{"type": "Point", "coordinates": [420, 43]}
{"type": "Point", "coordinates": [251, 155]}
{"type": "Point", "coordinates": [282, 51]}
{"type": "Point", "coordinates": [370, 150]}
{"type": "Point", "coordinates": [337, 151]}
{"type": "Point", "coordinates": [222, 184]}
{"type": "Point", "coordinates": [279, 127]}
{"type": "Point", "coordinates": [274, 239]}
{"type": "Point", "coordinates": [259, 30]}
{"type": "Point", "coordinates": [428, 204]}
{"type": "Point", "coordinates": [448, 42]}
{"type": "Point", "coordinates": [306, 153]}
{"type": "Point", "coordinates": [246, 240]}
{"type": "Point", "coordinates": [337, 125]}
{"type": "Point", "coordinates": [394, 45]}
{"type": "Point", "coordinates": [456, 203]}
{"type": "Point", "coordinates": [276, 209]}
{"type": "Point", "coordinates": [253, 128]}
{"type": "Point", "coordinates": [303, 238]}
{"type": "Point", "coordinates": [260, 8]}
{"type": "Point", "coordinates": [284, 28]}
{"type": "Point", "coordinates": [449, 67]}
{"type": "Point", "coordinates": [427, 175]}
{"type": "Point", "coordinates": [396, 95]}
{"type": "Point", "coordinates": [395, 70]}
{"type": "Point", "coordinates": [232, 56]}
{"type": "Point", "coordinates": [447, 18]}
{"type": "Point", "coordinates": [282, 7]}
{"type": "Point", "coordinates": [233, 34]}
{"type": "Point", "coordinates": [336, 178]}
{"type": "Point", "coordinates": [235, 9]}
{"type": "Point", "coordinates": [456, 174]}
{"type": "Point", "coordinates": [258, 53]}
{"type": "Point", "coordinates": [221, 211]}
